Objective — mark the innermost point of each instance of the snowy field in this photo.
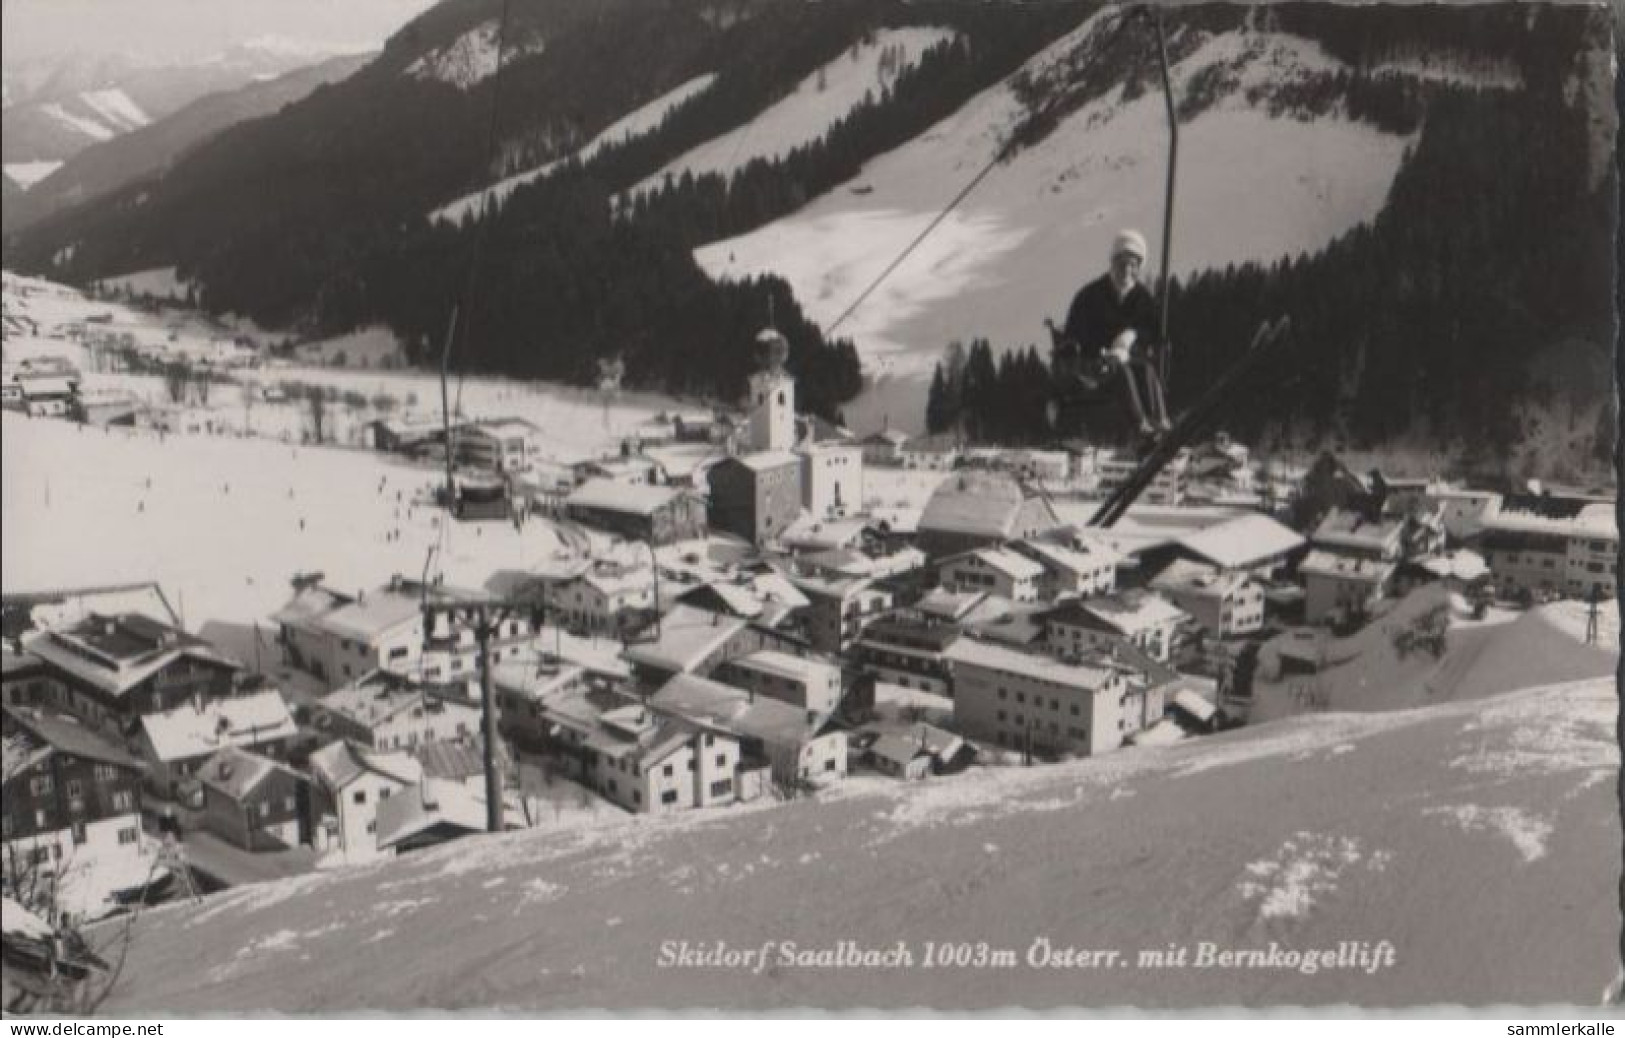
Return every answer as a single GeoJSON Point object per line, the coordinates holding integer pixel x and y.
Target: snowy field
{"type": "Point", "coordinates": [223, 524]}
{"type": "Point", "coordinates": [1395, 827]}
{"type": "Point", "coordinates": [1251, 187]}
{"type": "Point", "coordinates": [634, 124]}
{"type": "Point", "coordinates": [816, 104]}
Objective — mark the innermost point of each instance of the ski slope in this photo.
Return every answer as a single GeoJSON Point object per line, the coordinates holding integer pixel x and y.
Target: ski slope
{"type": "Point", "coordinates": [1395, 827]}
{"type": "Point", "coordinates": [632, 125]}
{"type": "Point", "coordinates": [804, 116]}
{"type": "Point", "coordinates": [1251, 186]}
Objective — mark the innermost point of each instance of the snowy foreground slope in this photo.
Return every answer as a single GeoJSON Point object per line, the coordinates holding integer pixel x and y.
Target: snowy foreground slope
{"type": "Point", "coordinates": [1481, 839]}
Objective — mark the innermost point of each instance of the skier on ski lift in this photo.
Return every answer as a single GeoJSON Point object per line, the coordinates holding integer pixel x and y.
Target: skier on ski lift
{"type": "Point", "coordinates": [1111, 332]}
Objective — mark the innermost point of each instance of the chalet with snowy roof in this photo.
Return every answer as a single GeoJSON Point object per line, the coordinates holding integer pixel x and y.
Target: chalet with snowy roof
{"type": "Point", "coordinates": [884, 447]}
{"type": "Point", "coordinates": [801, 681]}
{"type": "Point", "coordinates": [630, 467]}
{"type": "Point", "coordinates": [808, 535]}
{"type": "Point", "coordinates": [109, 670]}
{"type": "Point", "coordinates": [686, 640]}
{"type": "Point", "coordinates": [755, 496]}
{"type": "Point", "coordinates": [1143, 619]}
{"type": "Point", "coordinates": [1350, 533]}
{"type": "Point", "coordinates": [521, 687]}
{"type": "Point", "coordinates": [916, 752]}
{"type": "Point", "coordinates": [1223, 604]}
{"type": "Point", "coordinates": [799, 746]}
{"type": "Point", "coordinates": [910, 653]}
{"type": "Point", "coordinates": [638, 512]}
{"type": "Point", "coordinates": [973, 510]}
{"type": "Point", "coordinates": [938, 453]}
{"type": "Point", "coordinates": [453, 760]}
{"type": "Point", "coordinates": [961, 608]}
{"type": "Point", "coordinates": [1552, 544]}
{"type": "Point", "coordinates": [406, 434]}
{"type": "Point", "coordinates": [71, 810]}
{"type": "Point", "coordinates": [429, 814]}
{"type": "Point", "coordinates": [837, 610]}
{"type": "Point", "coordinates": [1339, 586]}
{"type": "Point", "coordinates": [175, 743]}
{"type": "Point", "coordinates": [28, 611]}
{"type": "Point", "coordinates": [697, 427]}
{"type": "Point", "coordinates": [1251, 543]}
{"type": "Point", "coordinates": [639, 758]}
{"type": "Point", "coordinates": [608, 598]}
{"type": "Point", "coordinates": [1080, 569]}
{"type": "Point", "coordinates": [339, 637]}
{"type": "Point", "coordinates": [105, 407]}
{"type": "Point", "coordinates": [351, 781]}
{"type": "Point", "coordinates": [385, 711]}
{"type": "Point", "coordinates": [998, 571]}
{"type": "Point", "coordinates": [254, 802]}
{"type": "Point", "coordinates": [1036, 703]}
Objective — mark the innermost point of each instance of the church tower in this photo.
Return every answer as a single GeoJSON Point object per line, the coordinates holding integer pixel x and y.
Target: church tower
{"type": "Point", "coordinates": [772, 403]}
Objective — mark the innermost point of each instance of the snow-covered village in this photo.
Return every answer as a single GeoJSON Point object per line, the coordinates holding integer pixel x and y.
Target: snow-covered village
{"type": "Point", "coordinates": [1016, 656]}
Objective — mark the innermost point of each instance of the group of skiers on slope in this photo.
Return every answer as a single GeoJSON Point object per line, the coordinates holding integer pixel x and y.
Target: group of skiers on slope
{"type": "Point", "coordinates": [1111, 331]}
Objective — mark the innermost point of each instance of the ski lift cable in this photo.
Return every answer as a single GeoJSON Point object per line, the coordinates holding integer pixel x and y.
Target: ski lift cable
{"type": "Point", "coordinates": [1003, 153]}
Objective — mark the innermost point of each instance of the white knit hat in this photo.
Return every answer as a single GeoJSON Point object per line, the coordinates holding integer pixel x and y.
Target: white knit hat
{"type": "Point", "coordinates": [1130, 241]}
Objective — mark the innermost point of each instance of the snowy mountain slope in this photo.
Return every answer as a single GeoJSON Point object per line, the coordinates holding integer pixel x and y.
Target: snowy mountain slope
{"type": "Point", "coordinates": [472, 57]}
{"type": "Point", "coordinates": [116, 109]}
{"type": "Point", "coordinates": [1480, 839]}
{"type": "Point", "coordinates": [1252, 186]}
{"type": "Point", "coordinates": [812, 108]}
{"type": "Point", "coordinates": [26, 174]}
{"type": "Point", "coordinates": [636, 123]}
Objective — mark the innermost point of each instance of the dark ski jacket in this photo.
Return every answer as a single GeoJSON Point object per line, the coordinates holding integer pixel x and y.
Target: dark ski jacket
{"type": "Point", "coordinates": [1097, 316]}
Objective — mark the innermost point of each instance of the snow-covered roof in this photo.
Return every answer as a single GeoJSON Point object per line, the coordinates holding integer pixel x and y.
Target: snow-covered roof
{"type": "Point", "coordinates": [784, 665]}
{"type": "Point", "coordinates": [372, 617]}
{"type": "Point", "coordinates": [1346, 528]}
{"type": "Point", "coordinates": [686, 636]}
{"type": "Point", "coordinates": [1243, 541]}
{"type": "Point", "coordinates": [236, 773]}
{"type": "Point", "coordinates": [1016, 567]}
{"type": "Point", "coordinates": [1080, 561]}
{"type": "Point", "coordinates": [1183, 574]}
{"type": "Point", "coordinates": [191, 731]}
{"type": "Point", "coordinates": [1128, 612]}
{"type": "Point", "coordinates": [430, 803]}
{"type": "Point", "coordinates": [767, 461]}
{"type": "Point", "coordinates": [17, 921]}
{"type": "Point", "coordinates": [1194, 705]}
{"type": "Point", "coordinates": [736, 711]}
{"type": "Point", "coordinates": [1594, 519]}
{"type": "Point", "coordinates": [1333, 564]}
{"type": "Point", "coordinates": [1461, 565]}
{"type": "Point", "coordinates": [985, 504]}
{"type": "Point", "coordinates": [895, 437]}
{"type": "Point", "coordinates": [377, 696]}
{"type": "Point", "coordinates": [989, 656]}
{"type": "Point", "coordinates": [613, 495]}
{"type": "Point", "coordinates": [338, 764]}
{"type": "Point", "coordinates": [115, 654]}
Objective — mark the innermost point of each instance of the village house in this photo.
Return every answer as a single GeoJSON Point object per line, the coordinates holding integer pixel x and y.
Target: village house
{"type": "Point", "coordinates": [406, 434]}
{"type": "Point", "coordinates": [351, 781]}
{"type": "Point", "coordinates": [503, 446]}
{"type": "Point", "coordinates": [385, 711]}
{"type": "Point", "coordinates": [629, 467]}
{"type": "Point", "coordinates": [339, 638]}
{"type": "Point", "coordinates": [640, 759]}
{"type": "Point", "coordinates": [938, 453]}
{"type": "Point", "coordinates": [175, 743]}
{"type": "Point", "coordinates": [798, 745]}
{"type": "Point", "coordinates": [105, 407]}
{"type": "Point", "coordinates": [109, 670]}
{"type": "Point", "coordinates": [254, 802]}
{"type": "Point", "coordinates": [1081, 571]}
{"type": "Point", "coordinates": [687, 640]}
{"type": "Point", "coordinates": [884, 447]}
{"type": "Point", "coordinates": [1036, 703]}
{"type": "Point", "coordinates": [1224, 605]}
{"type": "Point", "coordinates": [29, 611]}
{"type": "Point", "coordinates": [913, 754]}
{"type": "Point", "coordinates": [1251, 544]}
{"type": "Point", "coordinates": [429, 814]}
{"type": "Point", "coordinates": [831, 477]}
{"type": "Point", "coordinates": [838, 610]}
{"type": "Point", "coordinates": [1351, 564]}
{"type": "Point", "coordinates": [973, 510]}
{"type": "Point", "coordinates": [638, 512]}
{"type": "Point", "coordinates": [1145, 620]}
{"type": "Point", "coordinates": [1552, 544]}
{"type": "Point", "coordinates": [608, 598]}
{"type": "Point", "coordinates": [999, 571]}
{"type": "Point", "coordinates": [1463, 510]}
{"type": "Point", "coordinates": [71, 812]}
{"type": "Point", "coordinates": [909, 653]}
{"type": "Point", "coordinates": [755, 496]}
{"type": "Point", "coordinates": [801, 681]}
{"type": "Point", "coordinates": [1113, 470]}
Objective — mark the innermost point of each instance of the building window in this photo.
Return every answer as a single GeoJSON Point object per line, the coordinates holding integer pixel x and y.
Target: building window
{"type": "Point", "coordinates": [128, 836]}
{"type": "Point", "coordinates": [666, 771]}
{"type": "Point", "coordinates": [360, 797]}
{"type": "Point", "coordinates": [1001, 716]}
{"type": "Point", "coordinates": [265, 808]}
{"type": "Point", "coordinates": [722, 787]}
{"type": "Point", "coordinates": [40, 785]}
{"type": "Point", "coordinates": [78, 833]}
{"type": "Point", "coordinates": [124, 800]}
{"type": "Point", "coordinates": [75, 788]}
